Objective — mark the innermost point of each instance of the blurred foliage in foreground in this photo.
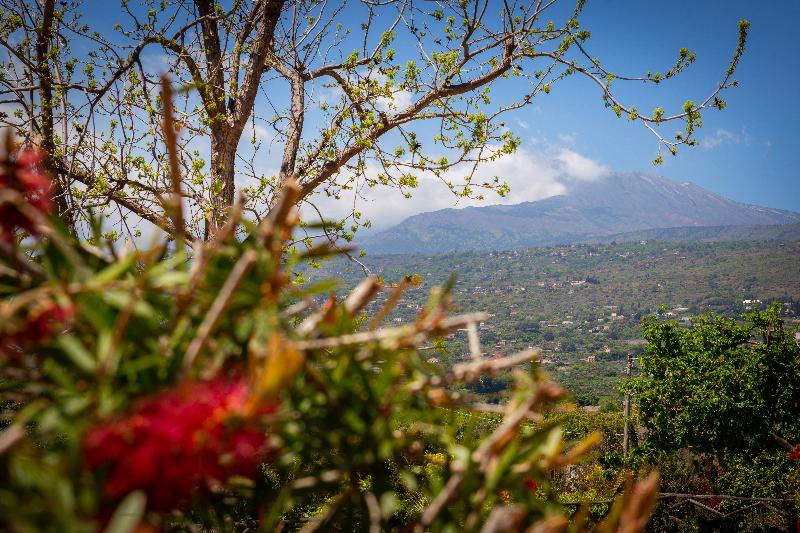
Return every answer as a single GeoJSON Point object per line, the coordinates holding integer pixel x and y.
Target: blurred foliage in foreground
{"type": "Point", "coordinates": [174, 387]}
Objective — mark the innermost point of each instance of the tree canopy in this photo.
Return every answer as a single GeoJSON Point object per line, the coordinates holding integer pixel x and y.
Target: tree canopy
{"type": "Point", "coordinates": [719, 385]}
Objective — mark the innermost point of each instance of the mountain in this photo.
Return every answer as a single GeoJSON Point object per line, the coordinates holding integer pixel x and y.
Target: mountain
{"type": "Point", "coordinates": [618, 204]}
{"type": "Point", "coordinates": [780, 233]}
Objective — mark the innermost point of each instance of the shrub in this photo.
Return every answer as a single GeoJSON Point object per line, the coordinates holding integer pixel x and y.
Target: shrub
{"type": "Point", "coordinates": [173, 386]}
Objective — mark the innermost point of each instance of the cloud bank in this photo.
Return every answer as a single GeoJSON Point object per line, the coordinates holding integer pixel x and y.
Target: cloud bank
{"type": "Point", "coordinates": [532, 175]}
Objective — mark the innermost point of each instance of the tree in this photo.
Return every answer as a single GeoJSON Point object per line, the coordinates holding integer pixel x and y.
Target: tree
{"type": "Point", "coordinates": [718, 401]}
{"type": "Point", "coordinates": [720, 386]}
{"type": "Point", "coordinates": [405, 93]}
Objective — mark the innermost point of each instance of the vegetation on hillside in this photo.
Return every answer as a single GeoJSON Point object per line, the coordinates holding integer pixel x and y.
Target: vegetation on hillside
{"type": "Point", "coordinates": [583, 304]}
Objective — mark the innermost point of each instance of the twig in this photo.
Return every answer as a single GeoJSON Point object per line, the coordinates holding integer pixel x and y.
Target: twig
{"type": "Point", "coordinates": [330, 476]}
{"type": "Point", "coordinates": [22, 264]}
{"type": "Point", "coordinates": [316, 523]}
{"type": "Point", "coordinates": [362, 295]}
{"type": "Point", "coordinates": [473, 369]}
{"type": "Point", "coordinates": [10, 436]}
{"type": "Point", "coordinates": [443, 498]}
{"type": "Point", "coordinates": [279, 213]}
{"type": "Point", "coordinates": [783, 443]}
{"type": "Point", "coordinates": [411, 330]}
{"type": "Point", "coordinates": [491, 408]}
{"type": "Point", "coordinates": [205, 251]}
{"type": "Point", "coordinates": [175, 204]}
{"type": "Point", "coordinates": [240, 269]}
{"type": "Point", "coordinates": [662, 495]}
{"type": "Point", "coordinates": [374, 510]}
{"type": "Point", "coordinates": [356, 300]}
{"type": "Point", "coordinates": [389, 305]}
{"type": "Point", "coordinates": [296, 308]}
{"type": "Point", "coordinates": [511, 422]}
{"type": "Point", "coordinates": [669, 495]}
{"type": "Point", "coordinates": [474, 341]}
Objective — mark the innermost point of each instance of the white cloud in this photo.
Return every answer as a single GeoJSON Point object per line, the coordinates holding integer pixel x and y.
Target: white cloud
{"type": "Point", "coordinates": [158, 63]}
{"type": "Point", "coordinates": [567, 138]}
{"type": "Point", "coordinates": [722, 136]}
{"type": "Point", "coordinates": [532, 175]}
{"type": "Point", "coordinates": [261, 133]}
{"type": "Point", "coordinates": [399, 100]}
{"type": "Point", "coordinates": [579, 167]}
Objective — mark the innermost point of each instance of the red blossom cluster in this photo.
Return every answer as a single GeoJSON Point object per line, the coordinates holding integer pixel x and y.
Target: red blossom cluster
{"type": "Point", "coordinates": [194, 437]}
{"type": "Point", "coordinates": [44, 321]}
{"type": "Point", "coordinates": [794, 455]}
{"type": "Point", "coordinates": [531, 484]}
{"type": "Point", "coordinates": [26, 175]}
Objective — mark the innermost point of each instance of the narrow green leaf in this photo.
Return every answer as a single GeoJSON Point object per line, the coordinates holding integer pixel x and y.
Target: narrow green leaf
{"type": "Point", "coordinates": [78, 353]}
{"type": "Point", "coordinates": [128, 513]}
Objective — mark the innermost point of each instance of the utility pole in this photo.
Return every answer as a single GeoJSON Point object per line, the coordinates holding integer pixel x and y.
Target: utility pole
{"type": "Point", "coordinates": [627, 410]}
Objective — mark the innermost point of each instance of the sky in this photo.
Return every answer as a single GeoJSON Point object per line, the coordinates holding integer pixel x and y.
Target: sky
{"type": "Point", "coordinates": [748, 152]}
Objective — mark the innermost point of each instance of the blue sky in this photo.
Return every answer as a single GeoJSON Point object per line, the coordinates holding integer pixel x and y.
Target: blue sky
{"type": "Point", "coordinates": [748, 152]}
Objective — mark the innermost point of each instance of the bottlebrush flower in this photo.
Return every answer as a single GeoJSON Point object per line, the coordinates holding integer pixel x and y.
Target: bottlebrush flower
{"type": "Point", "coordinates": [26, 175]}
{"type": "Point", "coordinates": [531, 484]}
{"type": "Point", "coordinates": [43, 322]}
{"type": "Point", "coordinates": [794, 455]}
{"type": "Point", "coordinates": [179, 441]}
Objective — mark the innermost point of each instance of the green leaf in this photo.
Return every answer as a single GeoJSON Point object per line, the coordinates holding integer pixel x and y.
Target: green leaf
{"type": "Point", "coordinates": [115, 270]}
{"type": "Point", "coordinates": [78, 353]}
{"type": "Point", "coordinates": [128, 513]}
{"type": "Point", "coordinates": [121, 300]}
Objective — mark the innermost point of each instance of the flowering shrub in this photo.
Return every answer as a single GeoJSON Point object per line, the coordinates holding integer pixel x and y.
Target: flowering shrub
{"type": "Point", "coordinates": [24, 175]}
{"type": "Point", "coordinates": [161, 389]}
{"type": "Point", "coordinates": [794, 454]}
{"type": "Point", "coordinates": [43, 321]}
{"type": "Point", "coordinates": [197, 435]}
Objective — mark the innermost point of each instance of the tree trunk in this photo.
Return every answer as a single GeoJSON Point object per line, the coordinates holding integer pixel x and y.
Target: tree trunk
{"type": "Point", "coordinates": [44, 39]}
{"type": "Point", "coordinates": [223, 189]}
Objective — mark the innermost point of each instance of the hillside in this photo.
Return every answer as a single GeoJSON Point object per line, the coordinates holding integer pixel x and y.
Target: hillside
{"type": "Point", "coordinates": [617, 204]}
{"type": "Point", "coordinates": [583, 303]}
{"type": "Point", "coordinates": [779, 233]}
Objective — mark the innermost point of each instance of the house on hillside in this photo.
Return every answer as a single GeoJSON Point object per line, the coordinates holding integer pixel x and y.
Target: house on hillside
{"type": "Point", "coordinates": [749, 305]}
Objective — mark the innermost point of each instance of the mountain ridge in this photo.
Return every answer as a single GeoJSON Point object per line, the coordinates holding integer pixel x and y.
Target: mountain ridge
{"type": "Point", "coordinates": [621, 203]}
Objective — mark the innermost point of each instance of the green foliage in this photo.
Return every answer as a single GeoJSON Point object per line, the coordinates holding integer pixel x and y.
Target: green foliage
{"type": "Point", "coordinates": [719, 386]}
{"type": "Point", "coordinates": [109, 356]}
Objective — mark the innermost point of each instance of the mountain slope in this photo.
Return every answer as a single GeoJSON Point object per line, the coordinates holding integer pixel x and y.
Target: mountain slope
{"type": "Point", "coordinates": [776, 233]}
{"type": "Point", "coordinates": [620, 203]}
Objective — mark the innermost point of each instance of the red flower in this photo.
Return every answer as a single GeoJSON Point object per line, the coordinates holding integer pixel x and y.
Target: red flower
{"type": "Point", "coordinates": [794, 455]}
{"type": "Point", "coordinates": [27, 176]}
{"type": "Point", "coordinates": [43, 322]}
{"type": "Point", "coordinates": [531, 484]}
{"type": "Point", "coordinates": [179, 441]}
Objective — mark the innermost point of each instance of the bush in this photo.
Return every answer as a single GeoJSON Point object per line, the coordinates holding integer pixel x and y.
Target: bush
{"type": "Point", "coordinates": [173, 387]}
